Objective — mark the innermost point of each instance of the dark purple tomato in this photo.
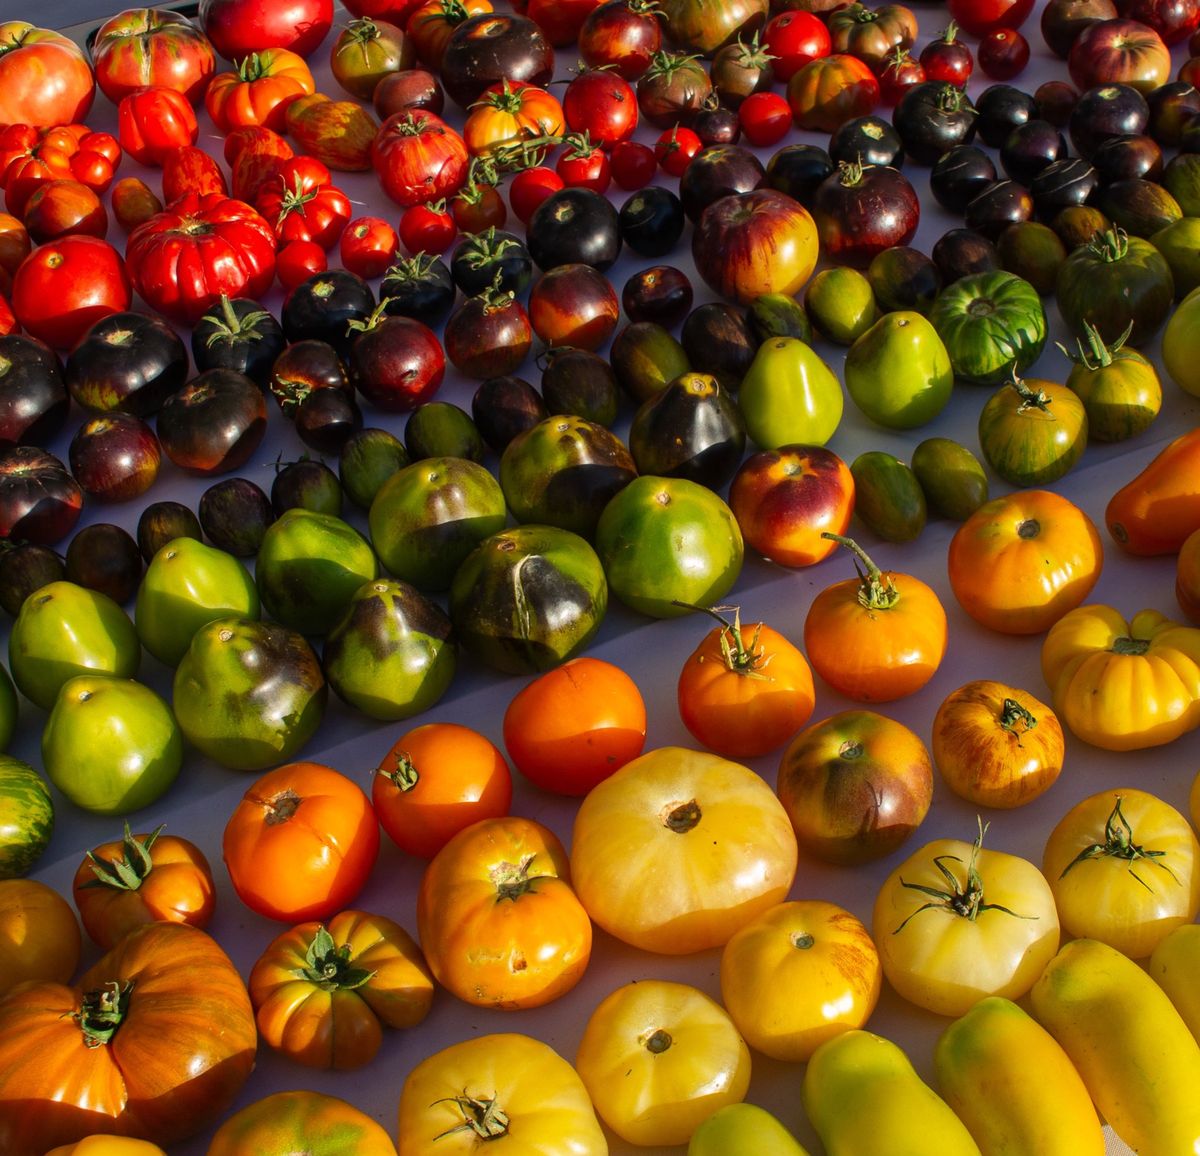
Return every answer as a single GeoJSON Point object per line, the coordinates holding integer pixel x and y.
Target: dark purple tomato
{"type": "Point", "coordinates": [214, 423]}
{"type": "Point", "coordinates": [715, 172]}
{"type": "Point", "coordinates": [323, 306]}
{"type": "Point", "coordinates": [492, 47]}
{"type": "Point", "coordinates": [932, 118]}
{"type": "Point", "coordinates": [505, 406]}
{"type": "Point", "coordinates": [25, 568]}
{"type": "Point", "coordinates": [1171, 107]}
{"type": "Point", "coordinates": [1000, 109]}
{"type": "Point", "coordinates": [127, 361]}
{"type": "Point", "coordinates": [575, 226]}
{"type": "Point", "coordinates": [579, 382]}
{"type": "Point", "coordinates": [238, 333]}
{"type": "Point", "coordinates": [1055, 99]}
{"type": "Point", "coordinates": [998, 206]}
{"type": "Point", "coordinates": [1031, 147]}
{"type": "Point", "coordinates": [1127, 158]}
{"type": "Point", "coordinates": [719, 337]}
{"type": "Point", "coordinates": [487, 335]}
{"type": "Point", "coordinates": [960, 175]}
{"type": "Point", "coordinates": [1106, 111]}
{"type": "Point", "coordinates": [306, 484]}
{"type": "Point", "coordinates": [326, 418]}
{"type": "Point", "coordinates": [661, 293]}
{"type": "Point", "coordinates": [716, 124]}
{"type": "Point", "coordinates": [963, 252]}
{"type": "Point", "coordinates": [480, 256]}
{"type": "Point", "coordinates": [39, 499]}
{"type": "Point", "coordinates": [304, 368]}
{"type": "Point", "coordinates": [1063, 20]}
{"type": "Point", "coordinates": [419, 287]}
{"type": "Point", "coordinates": [115, 456]}
{"type": "Point", "coordinates": [1061, 185]}
{"type": "Point", "coordinates": [406, 90]}
{"type": "Point", "coordinates": [33, 396]}
{"type": "Point", "coordinates": [798, 169]}
{"type": "Point", "coordinates": [104, 557]}
{"type": "Point", "coordinates": [651, 221]}
{"type": "Point", "coordinates": [163, 522]}
{"type": "Point", "coordinates": [869, 139]}
{"type": "Point", "coordinates": [396, 363]}
{"type": "Point", "coordinates": [860, 211]}
{"type": "Point", "coordinates": [235, 514]}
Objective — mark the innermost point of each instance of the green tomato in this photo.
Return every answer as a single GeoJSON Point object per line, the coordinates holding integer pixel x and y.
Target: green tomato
{"type": "Point", "coordinates": [887, 496]}
{"type": "Point", "coordinates": [1179, 243]}
{"type": "Point", "coordinates": [1181, 344]}
{"type": "Point", "coordinates": [111, 745]}
{"type": "Point", "coordinates": [64, 630]}
{"type": "Point", "coordinates": [26, 817]}
{"type": "Point", "coordinates": [186, 585]}
{"type": "Point", "coordinates": [1032, 432]}
{"type": "Point", "coordinates": [840, 303]}
{"type": "Point", "coordinates": [665, 541]}
{"type": "Point", "coordinates": [1119, 388]}
{"type": "Point", "coordinates": [308, 568]}
{"type": "Point", "coordinates": [898, 372]}
{"type": "Point", "coordinates": [789, 396]}
{"type": "Point", "coordinates": [953, 481]}
{"type": "Point", "coordinates": [743, 1130]}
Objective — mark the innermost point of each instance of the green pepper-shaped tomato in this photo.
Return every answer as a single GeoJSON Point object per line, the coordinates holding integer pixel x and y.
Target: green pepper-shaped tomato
{"type": "Point", "coordinates": [898, 372]}
{"type": "Point", "coordinates": [789, 396]}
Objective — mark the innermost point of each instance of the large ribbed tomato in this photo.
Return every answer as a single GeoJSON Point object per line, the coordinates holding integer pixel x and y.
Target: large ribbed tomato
{"type": "Point", "coordinates": [45, 78]}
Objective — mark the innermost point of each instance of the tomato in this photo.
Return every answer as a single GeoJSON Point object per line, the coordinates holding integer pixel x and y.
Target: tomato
{"type": "Point", "coordinates": [1021, 561]}
{"type": "Point", "coordinates": [301, 843]}
{"type": "Point", "coordinates": [509, 113]}
{"type": "Point", "coordinates": [298, 1121]}
{"type": "Point", "coordinates": [744, 693]}
{"type": "Point", "coordinates": [418, 157]}
{"type": "Point", "coordinates": [869, 34]}
{"type": "Point", "coordinates": [45, 78]}
{"type": "Point", "coordinates": [1119, 52]}
{"type": "Point", "coordinates": [477, 207]}
{"type": "Point", "coordinates": [303, 204]}
{"type": "Point", "coordinates": [632, 164]}
{"type": "Point", "coordinates": [39, 934]}
{"type": "Point", "coordinates": [15, 244]}
{"type": "Point", "coordinates": [1157, 509]}
{"type": "Point", "coordinates": [1123, 685]}
{"type": "Point", "coordinates": [140, 879]}
{"type": "Point", "coordinates": [64, 287]}
{"type": "Point", "coordinates": [498, 921]}
{"type": "Point", "coordinates": [1187, 577]}
{"type": "Point", "coordinates": [632, 827]}
{"type": "Point", "coordinates": [1003, 54]}
{"type": "Point", "coordinates": [26, 807]}
{"type": "Point", "coordinates": [431, 25]}
{"type": "Point", "coordinates": [1013, 1085]}
{"type": "Point", "coordinates": [297, 261]}
{"type": "Point", "coordinates": [1172, 966]}
{"type": "Point", "coordinates": [1125, 869]}
{"type": "Point", "coordinates": [191, 170]}
{"type": "Point", "coordinates": [61, 208]}
{"type": "Point", "coordinates": [979, 17]}
{"type": "Point", "coordinates": [658, 1058]}
{"type": "Point", "coordinates": [793, 39]}
{"type": "Point", "coordinates": [828, 91]}
{"type": "Point", "coordinates": [878, 637]}
{"type": "Point", "coordinates": [573, 726]}
{"type": "Point", "coordinates": [153, 122]}
{"type": "Point", "coordinates": [367, 247]}
{"type": "Point", "coordinates": [104, 1145]}
{"type": "Point", "coordinates": [798, 975]}
{"type": "Point", "coordinates": [743, 1130]}
{"type": "Point", "coordinates": [583, 164]}
{"type": "Point", "coordinates": [529, 188]}
{"type": "Point", "coordinates": [947, 58]}
{"type": "Point", "coordinates": [238, 28]}
{"type": "Point", "coordinates": [675, 148]}
{"type": "Point", "coordinates": [367, 50]}
{"type": "Point", "coordinates": [602, 105]}
{"type": "Point", "coordinates": [131, 1049]}
{"type": "Point", "coordinates": [1136, 1056]}
{"type": "Point", "coordinates": [996, 745]}
{"type": "Point", "coordinates": [901, 72]}
{"type": "Point", "coordinates": [955, 923]}
{"type": "Point", "coordinates": [1032, 432]}
{"type": "Point", "coordinates": [151, 46]}
{"type": "Point", "coordinates": [765, 118]}
{"type": "Point", "coordinates": [437, 780]}
{"type": "Point", "coordinates": [259, 91]}
{"type": "Point", "coordinates": [322, 993]}
{"type": "Point", "coordinates": [506, 1088]}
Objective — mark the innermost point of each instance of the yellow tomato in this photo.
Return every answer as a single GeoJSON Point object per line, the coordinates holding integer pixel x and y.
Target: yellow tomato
{"type": "Point", "coordinates": [743, 1130]}
{"type": "Point", "coordinates": [1175, 967]}
{"type": "Point", "coordinates": [508, 1094]}
{"type": "Point", "coordinates": [798, 975]}
{"type": "Point", "coordinates": [679, 849]}
{"type": "Point", "coordinates": [39, 934]}
{"type": "Point", "coordinates": [1194, 802]}
{"type": "Point", "coordinates": [658, 1058]}
{"type": "Point", "coordinates": [301, 1122]}
{"type": "Point", "coordinates": [1137, 1058]}
{"type": "Point", "coordinates": [1124, 867]}
{"type": "Point", "coordinates": [108, 1146]}
{"type": "Point", "coordinates": [954, 923]}
{"type": "Point", "coordinates": [1013, 1086]}
{"type": "Point", "coordinates": [864, 1098]}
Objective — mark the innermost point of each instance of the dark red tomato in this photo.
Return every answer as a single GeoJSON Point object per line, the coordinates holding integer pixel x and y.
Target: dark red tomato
{"type": "Point", "coordinates": [794, 38]}
{"type": "Point", "coordinates": [948, 58]}
{"type": "Point", "coordinates": [1173, 20]}
{"type": "Point", "coordinates": [632, 164]}
{"type": "Point", "coordinates": [675, 149]}
{"type": "Point", "coordinates": [573, 305]}
{"type": "Point", "coordinates": [488, 335]}
{"type": "Point", "coordinates": [560, 20]}
{"type": "Point", "coordinates": [623, 34]}
{"type": "Point", "coordinates": [368, 246]}
{"type": "Point", "coordinates": [529, 188]}
{"type": "Point", "coordinates": [602, 105]}
{"type": "Point", "coordinates": [584, 165]}
{"type": "Point", "coordinates": [60, 208]}
{"type": "Point", "coordinates": [238, 28]}
{"type": "Point", "coordinates": [901, 72]}
{"type": "Point", "coordinates": [1003, 54]}
{"type": "Point", "coordinates": [478, 207]}
{"type": "Point", "coordinates": [427, 228]}
{"type": "Point", "coordinates": [299, 260]}
{"type": "Point", "coordinates": [418, 157]}
{"type": "Point", "coordinates": [979, 17]}
{"type": "Point", "coordinates": [8, 319]}
{"type": "Point", "coordinates": [765, 118]}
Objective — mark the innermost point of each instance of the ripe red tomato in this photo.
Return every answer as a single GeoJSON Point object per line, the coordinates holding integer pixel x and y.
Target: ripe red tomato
{"type": "Point", "coordinates": [632, 164]}
{"type": "Point", "coordinates": [675, 149]}
{"type": "Point", "coordinates": [948, 58]}
{"type": "Point", "coordinates": [602, 105]}
{"type": "Point", "coordinates": [368, 246]}
{"type": "Point", "coordinates": [979, 17]}
{"type": "Point", "coordinates": [584, 164]}
{"type": "Point", "coordinates": [45, 78]}
{"type": "Point", "coordinates": [297, 261]}
{"type": "Point", "coordinates": [145, 46]}
{"type": "Point", "coordinates": [155, 121]}
{"type": "Point", "coordinates": [530, 187]}
{"type": "Point", "coordinates": [900, 72]}
{"type": "Point", "coordinates": [478, 207]}
{"type": "Point", "coordinates": [765, 117]}
{"type": "Point", "coordinates": [303, 204]}
{"type": "Point", "coordinates": [794, 38]}
{"type": "Point", "coordinates": [239, 28]}
{"type": "Point", "coordinates": [1003, 53]}
{"type": "Point", "coordinates": [418, 157]}
{"type": "Point", "coordinates": [428, 228]}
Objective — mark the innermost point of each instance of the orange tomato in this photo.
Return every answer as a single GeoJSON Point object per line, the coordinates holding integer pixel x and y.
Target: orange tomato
{"type": "Point", "coordinates": [301, 843]}
{"type": "Point", "coordinates": [498, 921]}
{"type": "Point", "coordinates": [259, 92]}
{"type": "Point", "coordinates": [104, 1145]}
{"type": "Point", "coordinates": [878, 637]}
{"type": "Point", "coordinates": [1020, 562]}
{"type": "Point", "coordinates": [744, 696]}
{"type": "Point", "coordinates": [508, 113]}
{"type": "Point", "coordinates": [573, 726]}
{"type": "Point", "coordinates": [1187, 577]}
{"type": "Point", "coordinates": [996, 745]}
{"type": "Point", "coordinates": [39, 934]}
{"type": "Point", "coordinates": [436, 780]}
{"type": "Point", "coordinates": [1155, 512]}
{"type": "Point", "coordinates": [300, 1122]}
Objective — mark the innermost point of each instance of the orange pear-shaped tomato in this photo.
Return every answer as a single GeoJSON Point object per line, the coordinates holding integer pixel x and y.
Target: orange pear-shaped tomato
{"type": "Point", "coordinates": [1156, 511]}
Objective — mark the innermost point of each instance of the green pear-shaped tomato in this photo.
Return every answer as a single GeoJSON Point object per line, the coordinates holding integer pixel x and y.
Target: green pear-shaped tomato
{"type": "Point", "coordinates": [26, 817]}
{"type": "Point", "coordinates": [789, 396]}
{"type": "Point", "coordinates": [898, 372]}
{"type": "Point", "coordinates": [954, 483]}
{"type": "Point", "coordinates": [666, 541]}
{"type": "Point", "coordinates": [427, 517]}
{"type": "Point", "coordinates": [249, 694]}
{"type": "Point", "coordinates": [840, 303]}
{"type": "Point", "coordinates": [392, 654]}
{"type": "Point", "coordinates": [8, 708]}
{"type": "Point", "coordinates": [187, 584]}
{"type": "Point", "coordinates": [528, 598]}
{"type": "Point", "coordinates": [308, 568]}
{"type": "Point", "coordinates": [111, 745]}
{"type": "Point", "coordinates": [63, 630]}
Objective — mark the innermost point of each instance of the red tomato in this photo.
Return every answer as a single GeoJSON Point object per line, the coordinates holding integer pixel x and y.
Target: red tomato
{"type": "Point", "coordinates": [418, 157]}
{"type": "Point", "coordinates": [45, 78]}
{"type": "Point", "coordinates": [61, 208]}
{"type": "Point", "coordinates": [153, 122]}
{"type": "Point", "coordinates": [259, 92]}
{"type": "Point", "coordinates": [8, 320]}
{"type": "Point", "coordinates": [530, 187]}
{"type": "Point", "coordinates": [478, 207]}
{"type": "Point", "coordinates": [573, 726]}
{"type": "Point", "coordinates": [948, 58]}
{"type": "Point", "coordinates": [765, 117]}
{"type": "Point", "coordinates": [301, 843]}
{"type": "Point", "coordinates": [1003, 53]}
{"type": "Point", "coordinates": [979, 17]}
{"type": "Point", "coordinates": [602, 105]}
{"type": "Point", "coordinates": [368, 246]}
{"type": "Point", "coordinates": [428, 228]}
{"type": "Point", "coordinates": [238, 28]}
{"type": "Point", "coordinates": [675, 149]}
{"type": "Point", "coordinates": [900, 72]}
{"type": "Point", "coordinates": [632, 164]}
{"type": "Point", "coordinates": [302, 203]}
{"type": "Point", "coordinates": [297, 261]}
{"type": "Point", "coordinates": [794, 38]}
{"type": "Point", "coordinates": [145, 46]}
{"type": "Point", "coordinates": [584, 164]}
{"type": "Point", "coordinates": [191, 170]}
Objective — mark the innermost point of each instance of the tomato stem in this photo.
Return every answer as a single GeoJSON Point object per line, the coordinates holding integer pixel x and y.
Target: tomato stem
{"type": "Point", "coordinates": [876, 591]}
{"type": "Point", "coordinates": [102, 1011]}
{"type": "Point", "coordinates": [512, 880]}
{"type": "Point", "coordinates": [135, 863]}
{"type": "Point", "coordinates": [658, 1041]}
{"type": "Point", "coordinates": [404, 775]}
{"type": "Point", "coordinates": [683, 818]}
{"type": "Point", "coordinates": [737, 656]}
{"type": "Point", "coordinates": [481, 1115]}
{"type": "Point", "coordinates": [328, 965]}
{"type": "Point", "coordinates": [1118, 844]}
{"type": "Point", "coordinates": [1012, 715]}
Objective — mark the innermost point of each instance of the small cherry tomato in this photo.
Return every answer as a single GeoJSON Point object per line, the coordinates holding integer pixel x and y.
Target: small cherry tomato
{"type": "Point", "coordinates": [368, 246]}
{"type": "Point", "coordinates": [793, 39]}
{"type": "Point", "coordinates": [675, 148]}
{"type": "Point", "coordinates": [632, 164]}
{"type": "Point", "coordinates": [478, 207]}
{"type": "Point", "coordinates": [297, 261]}
{"type": "Point", "coordinates": [584, 164]}
{"type": "Point", "coordinates": [765, 117]}
{"type": "Point", "coordinates": [427, 228]}
{"type": "Point", "coordinates": [1003, 54]}
{"type": "Point", "coordinates": [530, 187]}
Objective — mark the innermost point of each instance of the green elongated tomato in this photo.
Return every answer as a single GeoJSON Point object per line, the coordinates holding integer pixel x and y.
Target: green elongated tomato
{"type": "Point", "coordinates": [841, 304]}
{"type": "Point", "coordinates": [1032, 432]}
{"type": "Point", "coordinates": [1181, 344]}
{"type": "Point", "coordinates": [743, 1130]}
{"type": "Point", "coordinates": [26, 817]}
{"type": "Point", "coordinates": [8, 708]}
{"type": "Point", "coordinates": [1013, 1086]}
{"type": "Point", "coordinates": [1119, 388]}
{"type": "Point", "coordinates": [954, 482]}
{"type": "Point", "coordinates": [1138, 1060]}
{"type": "Point", "coordinates": [789, 396]}
{"type": "Point", "coordinates": [888, 496]}
{"type": "Point", "coordinates": [898, 372]}
{"type": "Point", "coordinates": [864, 1098]}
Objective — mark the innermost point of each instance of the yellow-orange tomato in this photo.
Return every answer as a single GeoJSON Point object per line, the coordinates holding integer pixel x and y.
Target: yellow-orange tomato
{"type": "Point", "coordinates": [798, 975]}
{"type": "Point", "coordinates": [101, 1145]}
{"type": "Point", "coordinates": [508, 113]}
{"type": "Point", "coordinates": [877, 637]}
{"type": "Point", "coordinates": [39, 934]}
{"type": "Point", "coordinates": [498, 921]}
{"type": "Point", "coordinates": [1020, 562]}
{"type": "Point", "coordinates": [744, 692]}
{"type": "Point", "coordinates": [996, 745]}
{"type": "Point", "coordinates": [309, 1122]}
{"type": "Point", "coordinates": [259, 92]}
{"type": "Point", "coordinates": [1187, 577]}
{"type": "Point", "coordinates": [575, 725]}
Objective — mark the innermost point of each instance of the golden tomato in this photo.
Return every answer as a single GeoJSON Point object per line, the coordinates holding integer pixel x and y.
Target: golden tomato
{"type": "Point", "coordinates": [108, 1146]}
{"type": "Point", "coordinates": [39, 934]}
{"type": "Point", "coordinates": [294, 1122]}
{"type": "Point", "coordinates": [1174, 966]}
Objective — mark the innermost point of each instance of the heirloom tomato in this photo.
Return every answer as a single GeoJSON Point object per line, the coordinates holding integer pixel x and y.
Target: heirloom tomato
{"type": "Point", "coordinates": [301, 843]}
{"type": "Point", "coordinates": [954, 923]}
{"type": "Point", "coordinates": [153, 122]}
{"type": "Point", "coordinates": [684, 819]}
{"type": "Point", "coordinates": [790, 397]}
{"type": "Point", "coordinates": [1172, 966]}
{"type": "Point", "coordinates": [979, 17]}
{"type": "Point", "coordinates": [1123, 685]}
{"type": "Point", "coordinates": [743, 693]}
{"type": "Point", "coordinates": [1125, 869]}
{"type": "Point", "coordinates": [743, 1130]}
{"type": "Point", "coordinates": [146, 46]}
{"type": "Point", "coordinates": [1119, 52]}
{"type": "Point", "coordinates": [418, 157]}
{"type": "Point", "coordinates": [508, 1088]}
{"type": "Point", "coordinates": [792, 39]}
{"type": "Point", "coordinates": [367, 50]}
{"type": "Point", "coordinates": [830, 90]}
{"type": "Point", "coordinates": [101, 1144]}
{"type": "Point", "coordinates": [869, 34]}
{"type": "Point", "coordinates": [1157, 509]}
{"type": "Point", "coordinates": [1119, 388]}
{"type": "Point", "coordinates": [658, 1058]}
{"type": "Point", "coordinates": [191, 170]}
{"type": "Point", "coordinates": [131, 1049]}
{"type": "Point", "coordinates": [39, 934]}
{"type": "Point", "coordinates": [45, 78]}
{"type": "Point", "coordinates": [259, 91]}
{"type": "Point", "coordinates": [509, 113]}
{"type": "Point", "coordinates": [1021, 561]}
{"type": "Point", "coordinates": [996, 745]}
{"type": "Point", "coordinates": [323, 992]}
{"type": "Point", "coordinates": [1187, 577]}
{"type": "Point", "coordinates": [435, 781]}
{"type": "Point", "coordinates": [498, 921]}
{"type": "Point", "coordinates": [142, 879]}
{"type": "Point", "coordinates": [433, 22]}
{"type": "Point", "coordinates": [302, 203]}
{"type": "Point", "coordinates": [296, 1122]}
{"type": "Point", "coordinates": [238, 28]}
{"type": "Point", "coordinates": [798, 975]}
{"type": "Point", "coordinates": [368, 246]}
{"type": "Point", "coordinates": [1032, 431]}
{"type": "Point", "coordinates": [26, 807]}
